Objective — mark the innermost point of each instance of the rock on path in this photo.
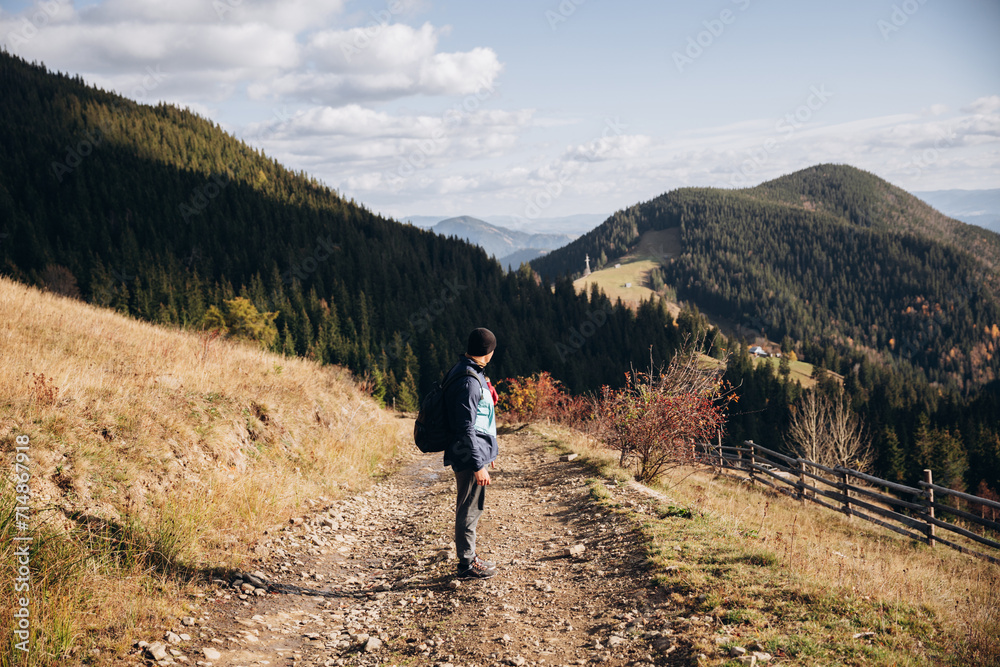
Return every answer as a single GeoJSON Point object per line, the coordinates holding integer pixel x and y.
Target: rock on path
{"type": "Point", "coordinates": [369, 580]}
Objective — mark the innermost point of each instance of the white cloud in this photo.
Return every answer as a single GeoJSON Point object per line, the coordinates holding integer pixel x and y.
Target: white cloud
{"type": "Point", "coordinates": [453, 184]}
{"type": "Point", "coordinates": [287, 15]}
{"type": "Point", "coordinates": [216, 48]}
{"type": "Point", "coordinates": [344, 139]}
{"type": "Point", "coordinates": [915, 151]}
{"type": "Point", "coordinates": [609, 148]}
{"type": "Point", "coordinates": [380, 63]}
{"type": "Point", "coordinates": [358, 122]}
{"type": "Point", "coordinates": [220, 53]}
{"type": "Point", "coordinates": [984, 105]}
{"type": "Point", "coordinates": [372, 49]}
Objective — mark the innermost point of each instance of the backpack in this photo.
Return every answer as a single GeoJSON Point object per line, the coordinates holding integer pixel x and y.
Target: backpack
{"type": "Point", "coordinates": [430, 432]}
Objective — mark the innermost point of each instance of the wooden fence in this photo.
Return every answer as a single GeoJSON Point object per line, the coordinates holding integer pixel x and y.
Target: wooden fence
{"type": "Point", "coordinates": [914, 512]}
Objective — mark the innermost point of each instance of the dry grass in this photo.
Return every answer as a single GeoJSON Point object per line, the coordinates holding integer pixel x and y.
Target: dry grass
{"type": "Point", "coordinates": [154, 460]}
{"type": "Point", "coordinates": [803, 580]}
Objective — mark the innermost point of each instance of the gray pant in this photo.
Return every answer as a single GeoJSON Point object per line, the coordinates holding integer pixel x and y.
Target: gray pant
{"type": "Point", "coordinates": [468, 509]}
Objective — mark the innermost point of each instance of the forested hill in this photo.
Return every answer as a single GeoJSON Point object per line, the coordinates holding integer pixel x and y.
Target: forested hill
{"type": "Point", "coordinates": [830, 255]}
{"type": "Point", "coordinates": [863, 199]}
{"type": "Point", "coordinates": [157, 212]}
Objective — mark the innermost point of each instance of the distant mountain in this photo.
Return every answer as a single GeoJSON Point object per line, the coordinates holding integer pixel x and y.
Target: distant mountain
{"type": "Point", "coordinates": [423, 221]}
{"type": "Point", "coordinates": [516, 259]}
{"type": "Point", "coordinates": [829, 255]}
{"type": "Point", "coordinates": [499, 241]}
{"type": "Point", "coordinates": [570, 224]}
{"type": "Point", "coordinates": [976, 207]}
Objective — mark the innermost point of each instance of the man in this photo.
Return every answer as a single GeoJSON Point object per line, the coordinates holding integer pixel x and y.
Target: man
{"type": "Point", "coordinates": [470, 407]}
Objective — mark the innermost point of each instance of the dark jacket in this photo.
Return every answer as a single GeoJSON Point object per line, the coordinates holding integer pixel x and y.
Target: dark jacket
{"type": "Point", "coordinates": [471, 419]}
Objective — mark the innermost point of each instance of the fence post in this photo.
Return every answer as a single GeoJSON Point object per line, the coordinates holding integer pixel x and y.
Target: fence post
{"type": "Point", "coordinates": [719, 440]}
{"type": "Point", "coordinates": [846, 491]}
{"type": "Point", "coordinates": [929, 479]}
{"type": "Point", "coordinates": [753, 460]}
{"type": "Point", "coordinates": [802, 481]}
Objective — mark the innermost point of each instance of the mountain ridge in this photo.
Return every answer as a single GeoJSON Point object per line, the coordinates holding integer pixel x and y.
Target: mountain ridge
{"type": "Point", "coordinates": [500, 242]}
{"type": "Point", "coordinates": [827, 255]}
{"type": "Point", "coordinates": [156, 212]}
{"type": "Point", "coordinates": [170, 220]}
{"type": "Point", "coordinates": [575, 224]}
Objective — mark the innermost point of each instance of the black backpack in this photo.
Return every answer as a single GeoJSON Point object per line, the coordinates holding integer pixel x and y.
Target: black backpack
{"type": "Point", "coordinates": [430, 432]}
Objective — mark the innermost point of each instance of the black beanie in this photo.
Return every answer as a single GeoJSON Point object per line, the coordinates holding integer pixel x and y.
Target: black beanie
{"type": "Point", "coordinates": [481, 342]}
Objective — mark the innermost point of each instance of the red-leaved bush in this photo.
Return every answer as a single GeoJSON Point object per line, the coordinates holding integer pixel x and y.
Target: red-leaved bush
{"type": "Point", "coordinates": [533, 398]}
{"type": "Point", "coordinates": [655, 420]}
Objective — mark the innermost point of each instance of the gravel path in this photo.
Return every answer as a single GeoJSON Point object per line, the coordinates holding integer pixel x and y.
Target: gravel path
{"type": "Point", "coordinates": [369, 580]}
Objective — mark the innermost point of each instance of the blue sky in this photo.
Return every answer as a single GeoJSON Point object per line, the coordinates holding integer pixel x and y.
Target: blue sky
{"type": "Point", "coordinates": [549, 108]}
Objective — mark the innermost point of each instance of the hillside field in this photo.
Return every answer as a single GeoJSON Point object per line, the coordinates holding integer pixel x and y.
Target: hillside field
{"type": "Point", "coordinates": [157, 460]}
{"type": "Point", "coordinates": [163, 463]}
{"type": "Point", "coordinates": [801, 370]}
{"type": "Point", "coordinates": [653, 249]}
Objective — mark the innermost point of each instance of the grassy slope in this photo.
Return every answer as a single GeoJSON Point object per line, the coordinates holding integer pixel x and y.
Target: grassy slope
{"type": "Point", "coordinates": [153, 461]}
{"type": "Point", "coordinates": [612, 281]}
{"type": "Point", "coordinates": [803, 582]}
{"type": "Point", "coordinates": [801, 371]}
{"type": "Point", "coordinates": [652, 250]}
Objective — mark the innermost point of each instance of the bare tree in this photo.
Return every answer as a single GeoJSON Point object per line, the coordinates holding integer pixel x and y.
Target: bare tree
{"type": "Point", "coordinates": [826, 431]}
{"type": "Point", "coordinates": [806, 430]}
{"type": "Point", "coordinates": [849, 443]}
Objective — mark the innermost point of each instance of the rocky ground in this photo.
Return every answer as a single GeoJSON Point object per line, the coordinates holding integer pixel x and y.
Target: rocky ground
{"type": "Point", "coordinates": [369, 580]}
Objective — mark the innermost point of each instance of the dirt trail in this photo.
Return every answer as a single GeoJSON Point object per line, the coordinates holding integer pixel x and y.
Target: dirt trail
{"type": "Point", "coordinates": [370, 580]}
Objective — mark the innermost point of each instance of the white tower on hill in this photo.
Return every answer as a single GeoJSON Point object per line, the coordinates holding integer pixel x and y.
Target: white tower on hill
{"type": "Point", "coordinates": [586, 270]}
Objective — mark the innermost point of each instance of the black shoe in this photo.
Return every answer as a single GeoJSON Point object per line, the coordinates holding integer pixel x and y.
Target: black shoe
{"type": "Point", "coordinates": [477, 569]}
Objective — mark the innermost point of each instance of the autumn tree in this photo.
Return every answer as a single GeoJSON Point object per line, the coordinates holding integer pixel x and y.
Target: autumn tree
{"type": "Point", "coordinates": [242, 321]}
